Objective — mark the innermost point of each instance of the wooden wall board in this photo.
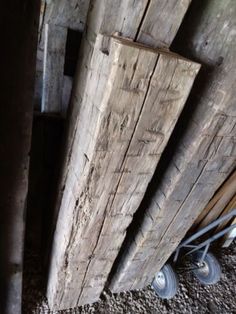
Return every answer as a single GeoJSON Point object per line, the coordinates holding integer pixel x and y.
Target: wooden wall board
{"type": "Point", "coordinates": [53, 68]}
{"type": "Point", "coordinates": [205, 155]}
{"type": "Point", "coordinates": [132, 109]}
{"type": "Point", "coordinates": [59, 15]}
{"type": "Point", "coordinates": [69, 14]}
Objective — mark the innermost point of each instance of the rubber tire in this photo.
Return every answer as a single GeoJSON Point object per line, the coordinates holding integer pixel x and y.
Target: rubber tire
{"type": "Point", "coordinates": [214, 268]}
{"type": "Point", "coordinates": [172, 283]}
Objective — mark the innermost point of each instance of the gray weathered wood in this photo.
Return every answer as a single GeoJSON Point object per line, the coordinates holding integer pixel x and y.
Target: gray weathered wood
{"type": "Point", "coordinates": [60, 15]}
{"type": "Point", "coordinates": [53, 68]}
{"type": "Point", "coordinates": [205, 155]}
{"type": "Point", "coordinates": [107, 17]}
{"type": "Point", "coordinates": [161, 22]}
{"type": "Point", "coordinates": [69, 14]}
{"type": "Point", "coordinates": [133, 98]}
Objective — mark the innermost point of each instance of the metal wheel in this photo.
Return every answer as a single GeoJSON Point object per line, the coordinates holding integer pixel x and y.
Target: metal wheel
{"type": "Point", "coordinates": [209, 270]}
{"type": "Point", "coordinates": [166, 282]}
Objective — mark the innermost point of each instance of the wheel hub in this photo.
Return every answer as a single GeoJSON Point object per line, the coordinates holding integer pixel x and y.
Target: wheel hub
{"type": "Point", "coordinates": [203, 268]}
{"type": "Point", "coordinates": [160, 280]}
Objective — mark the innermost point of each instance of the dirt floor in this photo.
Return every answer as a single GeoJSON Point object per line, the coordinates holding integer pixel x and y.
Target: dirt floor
{"type": "Point", "coordinates": [192, 296]}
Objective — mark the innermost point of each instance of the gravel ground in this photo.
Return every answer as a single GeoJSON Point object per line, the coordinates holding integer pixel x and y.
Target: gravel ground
{"type": "Point", "coordinates": [192, 296]}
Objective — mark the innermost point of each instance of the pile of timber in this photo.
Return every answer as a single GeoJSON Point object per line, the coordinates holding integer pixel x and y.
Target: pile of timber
{"type": "Point", "coordinates": [125, 103]}
{"type": "Point", "coordinates": [133, 98]}
{"type": "Point", "coordinates": [204, 157]}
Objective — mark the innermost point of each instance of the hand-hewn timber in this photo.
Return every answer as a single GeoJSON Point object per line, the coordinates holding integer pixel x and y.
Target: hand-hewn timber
{"type": "Point", "coordinates": [53, 68]}
{"type": "Point", "coordinates": [132, 100]}
{"type": "Point", "coordinates": [205, 155]}
{"type": "Point", "coordinates": [108, 17]}
{"type": "Point", "coordinates": [19, 26]}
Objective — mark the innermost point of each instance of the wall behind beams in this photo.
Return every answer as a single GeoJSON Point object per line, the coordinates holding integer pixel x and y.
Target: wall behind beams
{"type": "Point", "coordinates": [18, 30]}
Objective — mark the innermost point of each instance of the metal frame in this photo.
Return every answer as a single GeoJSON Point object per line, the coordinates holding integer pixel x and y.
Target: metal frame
{"type": "Point", "coordinates": [205, 244]}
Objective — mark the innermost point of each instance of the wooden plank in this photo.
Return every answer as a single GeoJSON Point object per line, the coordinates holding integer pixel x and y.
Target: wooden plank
{"type": "Point", "coordinates": [161, 22]}
{"type": "Point", "coordinates": [53, 68]}
{"type": "Point", "coordinates": [18, 51]}
{"type": "Point", "coordinates": [69, 14]}
{"type": "Point", "coordinates": [132, 114]}
{"type": "Point", "coordinates": [225, 194]}
{"type": "Point", "coordinates": [218, 202]}
{"type": "Point", "coordinates": [60, 14]}
{"type": "Point", "coordinates": [228, 208]}
{"type": "Point", "coordinates": [205, 155]}
{"type": "Point", "coordinates": [230, 236]}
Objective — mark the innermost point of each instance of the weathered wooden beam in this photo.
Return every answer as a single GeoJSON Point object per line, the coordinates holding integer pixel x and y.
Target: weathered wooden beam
{"type": "Point", "coordinates": [56, 17]}
{"type": "Point", "coordinates": [53, 68]}
{"type": "Point", "coordinates": [19, 21]}
{"type": "Point", "coordinates": [69, 14]}
{"type": "Point", "coordinates": [132, 101]}
{"type": "Point", "coordinates": [161, 22]}
{"type": "Point", "coordinates": [107, 17]}
{"type": "Point", "coordinates": [125, 17]}
{"type": "Point", "coordinates": [206, 151]}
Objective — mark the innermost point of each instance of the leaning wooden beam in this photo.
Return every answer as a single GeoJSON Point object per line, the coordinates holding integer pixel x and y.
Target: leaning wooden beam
{"type": "Point", "coordinates": [161, 22]}
{"type": "Point", "coordinates": [19, 45]}
{"type": "Point", "coordinates": [205, 155]}
{"type": "Point", "coordinates": [133, 100]}
{"type": "Point", "coordinates": [53, 68]}
{"type": "Point", "coordinates": [125, 17]}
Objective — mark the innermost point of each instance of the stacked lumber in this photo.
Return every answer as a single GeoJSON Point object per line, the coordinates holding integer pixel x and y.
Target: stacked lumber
{"type": "Point", "coordinates": [205, 155]}
{"type": "Point", "coordinates": [222, 203]}
{"type": "Point", "coordinates": [133, 98]}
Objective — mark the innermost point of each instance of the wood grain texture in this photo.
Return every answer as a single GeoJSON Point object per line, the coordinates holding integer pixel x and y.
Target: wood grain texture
{"type": "Point", "coordinates": [217, 204]}
{"type": "Point", "coordinates": [132, 109]}
{"type": "Point", "coordinates": [108, 17]}
{"type": "Point", "coordinates": [161, 22]}
{"type": "Point", "coordinates": [205, 155]}
{"type": "Point", "coordinates": [53, 68]}
{"type": "Point", "coordinates": [217, 196]}
{"type": "Point", "coordinates": [69, 14]}
{"type": "Point", "coordinates": [230, 206]}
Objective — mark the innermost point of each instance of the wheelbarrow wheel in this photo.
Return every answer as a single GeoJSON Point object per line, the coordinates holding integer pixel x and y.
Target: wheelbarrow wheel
{"type": "Point", "coordinates": [166, 282]}
{"type": "Point", "coordinates": [209, 270]}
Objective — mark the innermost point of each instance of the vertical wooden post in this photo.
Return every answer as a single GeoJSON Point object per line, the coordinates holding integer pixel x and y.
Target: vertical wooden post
{"type": "Point", "coordinates": [19, 27]}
